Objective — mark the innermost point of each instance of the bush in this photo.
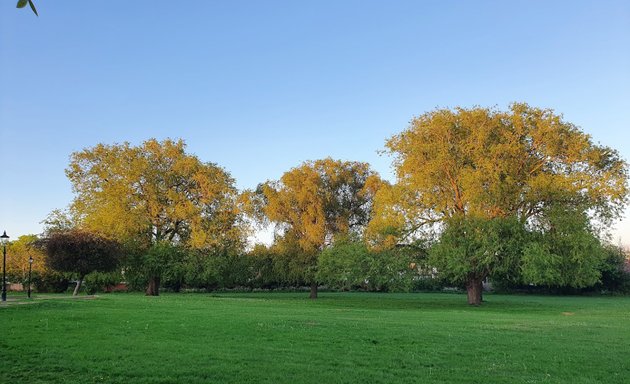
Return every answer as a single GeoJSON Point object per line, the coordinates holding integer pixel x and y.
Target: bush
{"type": "Point", "coordinates": [614, 276]}
{"type": "Point", "coordinates": [51, 282]}
{"type": "Point", "coordinates": [99, 281]}
{"type": "Point", "coordinates": [213, 270]}
{"type": "Point", "coordinates": [351, 265]}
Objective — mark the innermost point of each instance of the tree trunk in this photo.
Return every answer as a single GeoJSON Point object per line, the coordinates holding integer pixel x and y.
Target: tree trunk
{"type": "Point", "coordinates": [313, 291]}
{"type": "Point", "coordinates": [474, 289]}
{"type": "Point", "coordinates": [78, 286]}
{"type": "Point", "coordinates": [153, 289]}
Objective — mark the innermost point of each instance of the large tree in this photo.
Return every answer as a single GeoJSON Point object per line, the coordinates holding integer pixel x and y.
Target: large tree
{"type": "Point", "coordinates": [81, 252]}
{"type": "Point", "coordinates": [486, 163]}
{"type": "Point", "coordinates": [155, 193]}
{"type": "Point", "coordinates": [315, 203]}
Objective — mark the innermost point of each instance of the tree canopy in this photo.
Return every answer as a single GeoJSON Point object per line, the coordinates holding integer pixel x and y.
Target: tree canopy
{"type": "Point", "coordinates": [464, 172]}
{"type": "Point", "coordinates": [519, 195]}
{"type": "Point", "coordinates": [316, 202]}
{"type": "Point", "coordinates": [18, 258]}
{"type": "Point", "coordinates": [155, 193]}
{"type": "Point", "coordinates": [81, 252]}
{"type": "Point", "coordinates": [492, 163]}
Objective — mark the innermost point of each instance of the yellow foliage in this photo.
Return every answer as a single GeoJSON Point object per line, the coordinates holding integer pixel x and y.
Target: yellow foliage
{"type": "Point", "coordinates": [18, 253]}
{"type": "Point", "coordinates": [319, 200]}
{"type": "Point", "coordinates": [491, 163]}
{"type": "Point", "coordinates": [154, 192]}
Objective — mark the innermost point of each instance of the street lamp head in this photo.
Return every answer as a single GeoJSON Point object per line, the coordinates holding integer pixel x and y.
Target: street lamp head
{"type": "Point", "coordinates": [30, 259]}
{"type": "Point", "coordinates": [4, 238]}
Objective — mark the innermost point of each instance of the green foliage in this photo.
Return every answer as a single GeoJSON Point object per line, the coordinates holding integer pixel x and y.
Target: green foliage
{"type": "Point", "coordinates": [564, 252]}
{"type": "Point", "coordinates": [266, 268]}
{"type": "Point", "coordinates": [162, 260]}
{"type": "Point", "coordinates": [99, 281]}
{"type": "Point", "coordinates": [22, 4]}
{"type": "Point", "coordinates": [217, 270]}
{"type": "Point", "coordinates": [351, 265]}
{"type": "Point", "coordinates": [344, 266]}
{"type": "Point", "coordinates": [476, 248]}
{"type": "Point", "coordinates": [51, 282]}
{"type": "Point", "coordinates": [615, 271]}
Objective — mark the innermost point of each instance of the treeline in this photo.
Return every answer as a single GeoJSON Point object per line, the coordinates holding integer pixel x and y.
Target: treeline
{"type": "Point", "coordinates": [348, 265]}
{"type": "Point", "coordinates": [519, 197]}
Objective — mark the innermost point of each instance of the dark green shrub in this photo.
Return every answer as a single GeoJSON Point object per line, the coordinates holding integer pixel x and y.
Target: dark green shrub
{"type": "Point", "coordinates": [51, 282]}
{"type": "Point", "coordinates": [614, 276]}
{"type": "Point", "coordinates": [99, 281]}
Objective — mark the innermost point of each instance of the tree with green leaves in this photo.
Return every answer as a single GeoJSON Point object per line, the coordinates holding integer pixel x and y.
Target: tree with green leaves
{"type": "Point", "coordinates": [482, 163]}
{"type": "Point", "coordinates": [162, 262]}
{"type": "Point", "coordinates": [314, 204]}
{"type": "Point", "coordinates": [81, 252]}
{"type": "Point", "coordinates": [564, 251]}
{"type": "Point", "coordinates": [155, 193]}
{"type": "Point", "coordinates": [351, 264]}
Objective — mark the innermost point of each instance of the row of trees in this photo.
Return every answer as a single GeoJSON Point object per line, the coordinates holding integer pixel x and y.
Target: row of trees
{"type": "Point", "coordinates": [520, 195]}
{"type": "Point", "coordinates": [349, 264]}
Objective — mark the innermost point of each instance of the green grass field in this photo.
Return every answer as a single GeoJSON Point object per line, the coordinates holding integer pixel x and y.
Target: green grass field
{"type": "Point", "coordinates": [339, 338]}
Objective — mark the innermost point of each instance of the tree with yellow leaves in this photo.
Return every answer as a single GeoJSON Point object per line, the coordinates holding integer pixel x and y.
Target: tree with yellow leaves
{"type": "Point", "coordinates": [155, 193]}
{"type": "Point", "coordinates": [314, 204]}
{"type": "Point", "coordinates": [487, 164]}
{"type": "Point", "coordinates": [18, 254]}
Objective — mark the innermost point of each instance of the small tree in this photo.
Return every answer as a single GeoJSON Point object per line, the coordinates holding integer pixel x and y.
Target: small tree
{"type": "Point", "coordinates": [81, 252]}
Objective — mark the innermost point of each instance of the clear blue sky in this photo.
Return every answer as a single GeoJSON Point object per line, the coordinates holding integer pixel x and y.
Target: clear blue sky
{"type": "Point", "coordinates": [260, 86]}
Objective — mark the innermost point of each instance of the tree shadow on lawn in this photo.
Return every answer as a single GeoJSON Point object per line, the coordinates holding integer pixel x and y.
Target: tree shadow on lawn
{"type": "Point", "coordinates": [407, 301]}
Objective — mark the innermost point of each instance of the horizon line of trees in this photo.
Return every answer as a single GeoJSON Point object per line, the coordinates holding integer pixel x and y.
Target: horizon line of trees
{"type": "Point", "coordinates": [349, 265]}
{"type": "Point", "coordinates": [518, 197]}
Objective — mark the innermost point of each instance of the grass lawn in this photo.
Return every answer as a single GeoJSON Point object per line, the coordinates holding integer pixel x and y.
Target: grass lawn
{"type": "Point", "coordinates": [339, 338]}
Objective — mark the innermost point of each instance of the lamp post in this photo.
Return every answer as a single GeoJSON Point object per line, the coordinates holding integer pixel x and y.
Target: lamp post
{"type": "Point", "coordinates": [4, 238]}
{"type": "Point", "coordinates": [30, 268]}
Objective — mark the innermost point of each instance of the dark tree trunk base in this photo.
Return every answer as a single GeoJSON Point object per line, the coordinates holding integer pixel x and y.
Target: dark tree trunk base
{"type": "Point", "coordinates": [474, 290]}
{"type": "Point", "coordinates": [313, 294]}
{"type": "Point", "coordinates": [153, 289]}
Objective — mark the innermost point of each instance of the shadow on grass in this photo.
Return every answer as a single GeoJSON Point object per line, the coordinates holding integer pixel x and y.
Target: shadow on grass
{"type": "Point", "coordinates": [404, 301]}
